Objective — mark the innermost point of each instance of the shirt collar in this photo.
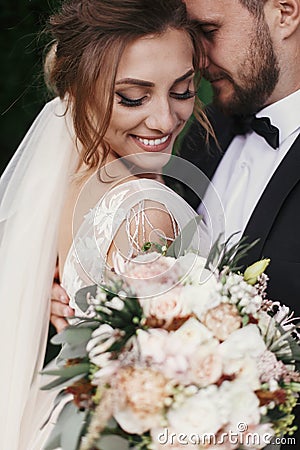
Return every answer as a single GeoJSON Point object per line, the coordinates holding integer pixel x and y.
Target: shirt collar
{"type": "Point", "coordinates": [284, 114]}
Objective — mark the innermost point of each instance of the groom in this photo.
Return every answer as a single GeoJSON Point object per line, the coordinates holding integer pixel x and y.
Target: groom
{"type": "Point", "coordinates": [253, 64]}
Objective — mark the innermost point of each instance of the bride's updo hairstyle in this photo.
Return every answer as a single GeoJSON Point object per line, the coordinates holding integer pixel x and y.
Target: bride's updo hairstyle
{"type": "Point", "coordinates": [88, 39]}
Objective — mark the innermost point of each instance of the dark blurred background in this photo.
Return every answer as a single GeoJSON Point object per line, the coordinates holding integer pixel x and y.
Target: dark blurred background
{"type": "Point", "coordinates": [21, 76]}
{"type": "Point", "coordinates": [22, 87]}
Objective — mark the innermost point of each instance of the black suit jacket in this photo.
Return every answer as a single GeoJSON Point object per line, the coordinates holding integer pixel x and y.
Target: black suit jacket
{"type": "Point", "coordinates": [276, 218]}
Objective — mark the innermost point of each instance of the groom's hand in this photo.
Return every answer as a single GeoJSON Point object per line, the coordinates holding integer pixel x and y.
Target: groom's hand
{"type": "Point", "coordinates": [60, 308]}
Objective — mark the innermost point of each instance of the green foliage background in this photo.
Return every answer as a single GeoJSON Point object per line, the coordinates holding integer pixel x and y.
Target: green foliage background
{"type": "Point", "coordinates": [22, 91]}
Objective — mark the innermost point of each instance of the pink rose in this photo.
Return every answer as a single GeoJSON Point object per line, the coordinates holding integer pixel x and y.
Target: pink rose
{"type": "Point", "coordinates": [223, 320]}
{"type": "Point", "coordinates": [205, 366]}
{"type": "Point", "coordinates": [139, 399]}
{"type": "Point", "coordinates": [166, 307]}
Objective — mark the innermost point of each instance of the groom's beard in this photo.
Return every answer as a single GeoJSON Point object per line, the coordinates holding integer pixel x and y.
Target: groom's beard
{"type": "Point", "coordinates": [256, 78]}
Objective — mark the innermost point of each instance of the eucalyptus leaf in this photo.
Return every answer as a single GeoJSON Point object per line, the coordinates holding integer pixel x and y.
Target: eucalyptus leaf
{"type": "Point", "coordinates": [53, 441]}
{"type": "Point", "coordinates": [67, 430]}
{"type": "Point", "coordinates": [72, 351]}
{"type": "Point", "coordinates": [69, 371]}
{"type": "Point", "coordinates": [73, 335]}
{"type": "Point", "coordinates": [81, 296]}
{"type": "Point", "coordinates": [72, 430]}
{"type": "Point", "coordinates": [60, 396]}
{"type": "Point", "coordinates": [61, 382]}
{"type": "Point", "coordinates": [181, 244]}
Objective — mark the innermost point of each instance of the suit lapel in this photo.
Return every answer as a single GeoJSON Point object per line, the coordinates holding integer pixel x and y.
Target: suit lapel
{"type": "Point", "coordinates": [283, 181]}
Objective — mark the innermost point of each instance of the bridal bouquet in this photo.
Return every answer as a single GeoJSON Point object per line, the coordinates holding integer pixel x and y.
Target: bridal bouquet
{"type": "Point", "coordinates": [173, 354]}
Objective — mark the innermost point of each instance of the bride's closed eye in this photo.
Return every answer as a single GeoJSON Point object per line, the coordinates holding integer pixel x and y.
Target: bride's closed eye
{"type": "Point", "coordinates": [183, 95]}
{"type": "Point", "coordinates": [126, 101]}
{"type": "Point", "coordinates": [132, 102]}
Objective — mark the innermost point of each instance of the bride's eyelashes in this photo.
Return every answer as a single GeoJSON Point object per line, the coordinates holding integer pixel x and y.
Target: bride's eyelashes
{"type": "Point", "coordinates": [132, 102]}
{"type": "Point", "coordinates": [184, 95]}
{"type": "Point", "coordinates": [126, 101]}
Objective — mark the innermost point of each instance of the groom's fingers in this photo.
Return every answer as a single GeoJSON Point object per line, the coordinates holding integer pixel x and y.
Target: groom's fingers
{"type": "Point", "coordinates": [59, 294]}
{"type": "Point", "coordinates": [58, 322]}
{"type": "Point", "coordinates": [60, 308]}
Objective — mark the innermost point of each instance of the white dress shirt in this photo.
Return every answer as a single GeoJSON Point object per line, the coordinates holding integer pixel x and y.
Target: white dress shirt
{"type": "Point", "coordinates": [247, 167]}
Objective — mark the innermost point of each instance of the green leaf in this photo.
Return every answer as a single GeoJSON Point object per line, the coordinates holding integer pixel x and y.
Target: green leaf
{"type": "Point", "coordinates": [74, 423]}
{"type": "Point", "coordinates": [53, 442]}
{"type": "Point", "coordinates": [70, 371]}
{"type": "Point", "coordinates": [81, 295]}
{"type": "Point", "coordinates": [71, 352]}
{"type": "Point", "coordinates": [67, 431]}
{"type": "Point", "coordinates": [181, 244]}
{"type": "Point", "coordinates": [60, 396]}
{"type": "Point", "coordinates": [73, 335]}
{"type": "Point", "coordinates": [60, 382]}
{"type": "Point", "coordinates": [294, 346]}
{"type": "Point", "coordinates": [224, 255]}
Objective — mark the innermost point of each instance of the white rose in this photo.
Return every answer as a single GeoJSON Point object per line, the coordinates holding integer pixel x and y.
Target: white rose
{"type": "Point", "coordinates": [151, 345]}
{"type": "Point", "coordinates": [246, 341]}
{"type": "Point", "coordinates": [198, 414]}
{"type": "Point", "coordinates": [199, 299]}
{"type": "Point", "coordinates": [193, 268]}
{"type": "Point", "coordinates": [192, 333]}
{"type": "Point", "coordinates": [241, 403]}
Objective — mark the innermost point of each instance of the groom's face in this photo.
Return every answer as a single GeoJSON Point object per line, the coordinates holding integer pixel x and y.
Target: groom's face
{"type": "Point", "coordinates": [241, 63]}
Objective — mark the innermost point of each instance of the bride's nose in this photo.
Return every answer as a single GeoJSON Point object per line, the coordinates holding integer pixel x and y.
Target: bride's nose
{"type": "Point", "coordinates": [162, 116]}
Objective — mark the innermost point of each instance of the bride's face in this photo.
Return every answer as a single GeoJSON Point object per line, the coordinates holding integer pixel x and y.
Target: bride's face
{"type": "Point", "coordinates": [154, 95]}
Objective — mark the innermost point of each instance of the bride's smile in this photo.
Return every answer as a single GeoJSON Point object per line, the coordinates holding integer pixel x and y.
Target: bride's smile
{"type": "Point", "coordinates": [151, 106]}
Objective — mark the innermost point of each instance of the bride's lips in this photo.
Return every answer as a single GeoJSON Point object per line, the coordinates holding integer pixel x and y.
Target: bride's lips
{"type": "Point", "coordinates": [151, 143]}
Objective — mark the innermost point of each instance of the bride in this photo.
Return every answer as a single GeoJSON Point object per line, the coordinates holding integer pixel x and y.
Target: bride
{"type": "Point", "coordinates": [124, 79]}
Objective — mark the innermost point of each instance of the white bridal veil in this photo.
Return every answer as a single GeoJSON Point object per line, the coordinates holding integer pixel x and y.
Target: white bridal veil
{"type": "Point", "coordinates": [31, 196]}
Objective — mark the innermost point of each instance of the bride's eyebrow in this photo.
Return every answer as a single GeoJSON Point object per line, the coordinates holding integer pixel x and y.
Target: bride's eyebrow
{"type": "Point", "coordinates": [185, 76]}
{"type": "Point", "coordinates": [138, 82]}
{"type": "Point", "coordinates": [135, 81]}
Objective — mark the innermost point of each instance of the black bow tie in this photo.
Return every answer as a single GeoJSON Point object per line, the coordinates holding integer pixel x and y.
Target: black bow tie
{"type": "Point", "coordinates": [261, 126]}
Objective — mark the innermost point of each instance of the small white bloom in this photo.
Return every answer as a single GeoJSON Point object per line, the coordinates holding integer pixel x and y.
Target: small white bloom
{"type": "Point", "coordinates": [115, 303]}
